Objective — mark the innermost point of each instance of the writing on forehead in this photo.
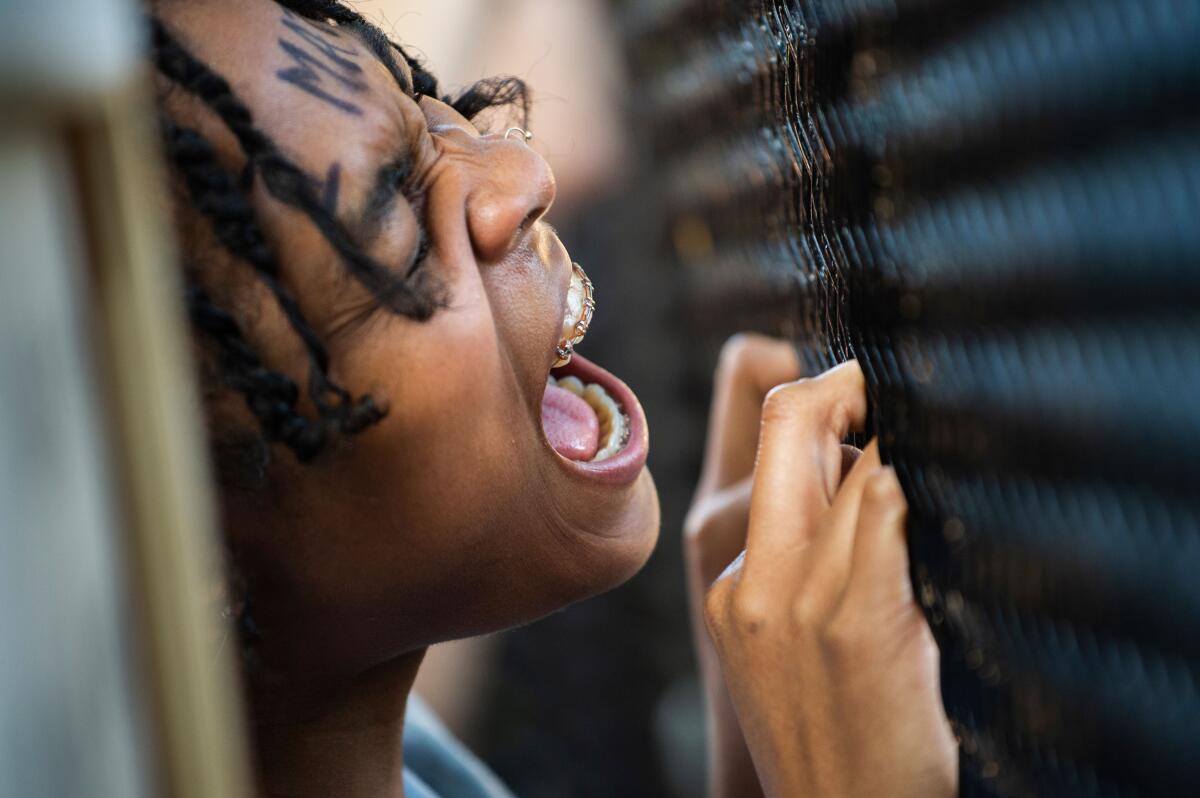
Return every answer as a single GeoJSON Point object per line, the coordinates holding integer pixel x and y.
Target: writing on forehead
{"type": "Point", "coordinates": [319, 67]}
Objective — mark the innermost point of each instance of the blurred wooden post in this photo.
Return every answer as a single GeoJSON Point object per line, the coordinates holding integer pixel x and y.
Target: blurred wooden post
{"type": "Point", "coordinates": [107, 506]}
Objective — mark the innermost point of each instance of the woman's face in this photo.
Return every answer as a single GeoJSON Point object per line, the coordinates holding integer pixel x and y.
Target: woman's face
{"type": "Point", "coordinates": [454, 515]}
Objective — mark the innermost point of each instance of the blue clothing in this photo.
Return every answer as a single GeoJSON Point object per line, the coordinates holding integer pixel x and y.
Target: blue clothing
{"type": "Point", "coordinates": [436, 765]}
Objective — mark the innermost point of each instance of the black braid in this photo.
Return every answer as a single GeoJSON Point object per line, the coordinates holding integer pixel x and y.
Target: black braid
{"type": "Point", "coordinates": [270, 395]}
{"type": "Point", "coordinates": [284, 180]}
{"type": "Point", "coordinates": [215, 194]}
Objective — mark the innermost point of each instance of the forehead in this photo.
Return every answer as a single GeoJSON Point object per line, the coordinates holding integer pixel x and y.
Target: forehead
{"type": "Point", "coordinates": [315, 87]}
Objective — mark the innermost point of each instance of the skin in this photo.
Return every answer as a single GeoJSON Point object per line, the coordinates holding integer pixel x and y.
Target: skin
{"type": "Point", "coordinates": [715, 531]}
{"type": "Point", "coordinates": [453, 516]}
{"type": "Point", "coordinates": [820, 671]}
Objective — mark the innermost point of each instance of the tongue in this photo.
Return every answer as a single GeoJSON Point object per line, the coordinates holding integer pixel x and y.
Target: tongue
{"type": "Point", "coordinates": [570, 424]}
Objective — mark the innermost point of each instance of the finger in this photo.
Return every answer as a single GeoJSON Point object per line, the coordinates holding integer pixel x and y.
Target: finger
{"type": "Point", "coordinates": [800, 458]}
{"type": "Point", "coordinates": [879, 566]}
{"type": "Point", "coordinates": [715, 529]}
{"type": "Point", "coordinates": [750, 366]}
{"type": "Point", "coordinates": [826, 563]}
{"type": "Point", "coordinates": [843, 512]}
{"type": "Point", "coordinates": [719, 597]}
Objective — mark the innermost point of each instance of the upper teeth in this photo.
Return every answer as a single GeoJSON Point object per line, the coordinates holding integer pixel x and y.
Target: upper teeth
{"type": "Point", "coordinates": [581, 304]}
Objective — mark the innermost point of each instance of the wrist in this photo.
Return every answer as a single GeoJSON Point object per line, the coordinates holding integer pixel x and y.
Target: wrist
{"type": "Point", "coordinates": [731, 772]}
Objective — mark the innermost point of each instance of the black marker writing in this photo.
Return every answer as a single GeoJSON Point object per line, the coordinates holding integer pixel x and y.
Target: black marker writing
{"type": "Point", "coordinates": [321, 69]}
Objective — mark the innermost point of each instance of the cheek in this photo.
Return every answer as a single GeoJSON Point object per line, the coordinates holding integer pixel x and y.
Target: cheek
{"type": "Point", "coordinates": [526, 299]}
{"type": "Point", "coordinates": [459, 420]}
{"type": "Point", "coordinates": [447, 514]}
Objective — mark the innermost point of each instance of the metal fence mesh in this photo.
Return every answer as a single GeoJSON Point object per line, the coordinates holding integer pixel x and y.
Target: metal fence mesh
{"type": "Point", "coordinates": [995, 206]}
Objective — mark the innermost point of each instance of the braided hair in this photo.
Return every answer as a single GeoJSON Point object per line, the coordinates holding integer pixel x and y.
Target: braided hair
{"type": "Point", "coordinates": [223, 201]}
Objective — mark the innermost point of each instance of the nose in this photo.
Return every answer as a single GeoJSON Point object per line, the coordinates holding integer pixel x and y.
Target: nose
{"type": "Point", "coordinates": [514, 188]}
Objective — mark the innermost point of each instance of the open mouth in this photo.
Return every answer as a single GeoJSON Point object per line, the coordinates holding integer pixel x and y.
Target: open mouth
{"type": "Point", "coordinates": [594, 420]}
{"type": "Point", "coordinates": [582, 421]}
{"type": "Point", "coordinates": [590, 418]}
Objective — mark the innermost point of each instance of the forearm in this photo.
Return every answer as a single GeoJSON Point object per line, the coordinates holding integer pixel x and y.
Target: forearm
{"type": "Point", "coordinates": [731, 771]}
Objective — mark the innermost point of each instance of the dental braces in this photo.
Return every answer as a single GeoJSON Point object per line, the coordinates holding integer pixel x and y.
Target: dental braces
{"type": "Point", "coordinates": [566, 347]}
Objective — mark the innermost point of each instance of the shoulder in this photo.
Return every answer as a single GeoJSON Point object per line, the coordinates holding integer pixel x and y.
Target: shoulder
{"type": "Point", "coordinates": [437, 764]}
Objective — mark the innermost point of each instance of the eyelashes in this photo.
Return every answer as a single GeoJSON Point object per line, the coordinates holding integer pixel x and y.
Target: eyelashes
{"type": "Point", "coordinates": [422, 250]}
{"type": "Point", "coordinates": [395, 180]}
{"type": "Point", "coordinates": [415, 195]}
{"type": "Point", "coordinates": [408, 185]}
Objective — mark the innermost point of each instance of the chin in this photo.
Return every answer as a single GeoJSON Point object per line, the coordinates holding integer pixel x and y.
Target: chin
{"type": "Point", "coordinates": [595, 431]}
{"type": "Point", "coordinates": [642, 533]}
{"type": "Point", "coordinates": [617, 552]}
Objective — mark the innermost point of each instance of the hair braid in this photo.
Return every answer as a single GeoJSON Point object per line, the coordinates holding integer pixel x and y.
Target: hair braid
{"type": "Point", "coordinates": [283, 179]}
{"type": "Point", "coordinates": [214, 193]}
{"type": "Point", "coordinates": [269, 395]}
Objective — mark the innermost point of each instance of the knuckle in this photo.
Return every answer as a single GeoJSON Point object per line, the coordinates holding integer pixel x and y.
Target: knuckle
{"type": "Point", "coordinates": [749, 611]}
{"type": "Point", "coordinates": [847, 374]}
{"type": "Point", "coordinates": [844, 637]}
{"type": "Point", "coordinates": [805, 612]}
{"type": "Point", "coordinates": [883, 490]}
{"type": "Point", "coordinates": [736, 353]}
{"type": "Point", "coordinates": [735, 347]}
{"type": "Point", "coordinates": [784, 400]}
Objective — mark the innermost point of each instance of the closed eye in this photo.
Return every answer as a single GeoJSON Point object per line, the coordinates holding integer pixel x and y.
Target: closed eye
{"type": "Point", "coordinates": [422, 252]}
{"type": "Point", "coordinates": [393, 180]}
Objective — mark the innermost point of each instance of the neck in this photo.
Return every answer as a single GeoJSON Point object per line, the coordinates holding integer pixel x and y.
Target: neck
{"type": "Point", "coordinates": [346, 743]}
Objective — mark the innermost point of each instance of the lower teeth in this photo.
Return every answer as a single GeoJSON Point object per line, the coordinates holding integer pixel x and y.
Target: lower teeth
{"type": "Point", "coordinates": [614, 424]}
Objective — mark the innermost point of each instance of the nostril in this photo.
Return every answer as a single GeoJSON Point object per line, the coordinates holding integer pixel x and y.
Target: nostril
{"type": "Point", "coordinates": [526, 223]}
{"type": "Point", "coordinates": [533, 216]}
{"type": "Point", "coordinates": [512, 191]}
